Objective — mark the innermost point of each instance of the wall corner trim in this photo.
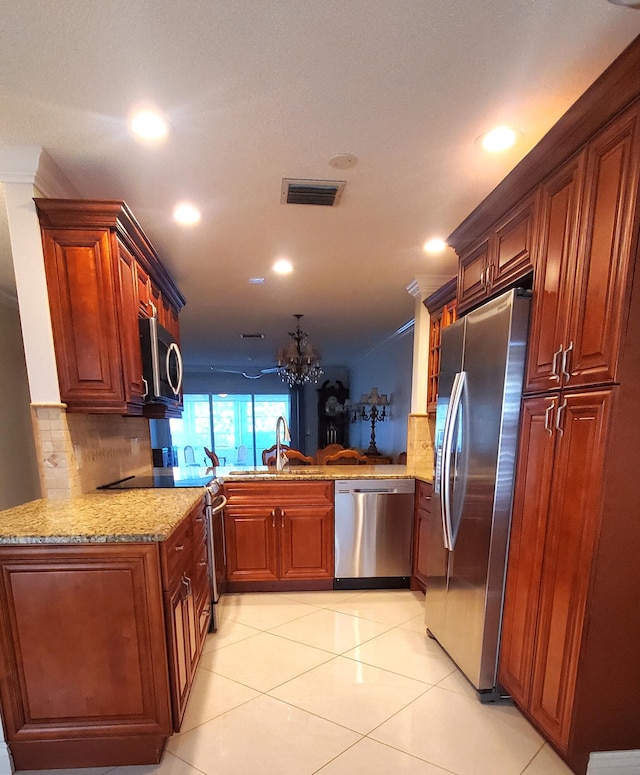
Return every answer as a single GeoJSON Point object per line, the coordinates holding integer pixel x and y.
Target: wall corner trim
{"type": "Point", "coordinates": [614, 763]}
{"type": "Point", "coordinates": [19, 163]}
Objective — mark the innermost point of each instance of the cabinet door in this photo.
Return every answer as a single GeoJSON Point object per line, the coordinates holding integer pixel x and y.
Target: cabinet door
{"type": "Point", "coordinates": [80, 281]}
{"type": "Point", "coordinates": [252, 553]}
{"type": "Point", "coordinates": [422, 535]}
{"type": "Point", "coordinates": [528, 532]}
{"type": "Point", "coordinates": [514, 236]}
{"type": "Point", "coordinates": [130, 337]}
{"type": "Point", "coordinates": [555, 274]}
{"type": "Point", "coordinates": [572, 529]}
{"type": "Point", "coordinates": [179, 657]}
{"type": "Point", "coordinates": [472, 273]}
{"type": "Point", "coordinates": [145, 309]}
{"type": "Point", "coordinates": [82, 647]}
{"type": "Point", "coordinates": [306, 542]}
{"type": "Point", "coordinates": [604, 250]}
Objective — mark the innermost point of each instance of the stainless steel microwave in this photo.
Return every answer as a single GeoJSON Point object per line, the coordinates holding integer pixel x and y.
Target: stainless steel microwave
{"type": "Point", "coordinates": [161, 362]}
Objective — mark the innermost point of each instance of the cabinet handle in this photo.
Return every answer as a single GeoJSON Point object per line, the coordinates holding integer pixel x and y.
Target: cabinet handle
{"type": "Point", "coordinates": [202, 563]}
{"type": "Point", "coordinates": [185, 587]}
{"type": "Point", "coordinates": [282, 518]}
{"type": "Point", "coordinates": [483, 278]}
{"type": "Point", "coordinates": [554, 363]}
{"type": "Point", "coordinates": [224, 544]}
{"type": "Point", "coordinates": [558, 416]}
{"type": "Point", "coordinates": [273, 517]}
{"type": "Point", "coordinates": [565, 362]}
{"type": "Point", "coordinates": [547, 417]}
{"type": "Point", "coordinates": [490, 269]}
{"type": "Point", "coordinates": [179, 548]}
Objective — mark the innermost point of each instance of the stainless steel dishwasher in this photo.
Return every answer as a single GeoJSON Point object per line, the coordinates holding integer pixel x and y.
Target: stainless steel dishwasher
{"type": "Point", "coordinates": [373, 533]}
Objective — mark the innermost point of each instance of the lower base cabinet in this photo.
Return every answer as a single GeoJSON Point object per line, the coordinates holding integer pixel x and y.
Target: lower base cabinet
{"type": "Point", "coordinates": [422, 535]}
{"type": "Point", "coordinates": [98, 647]}
{"type": "Point", "coordinates": [569, 653]}
{"type": "Point", "coordinates": [279, 535]}
{"type": "Point", "coordinates": [84, 670]}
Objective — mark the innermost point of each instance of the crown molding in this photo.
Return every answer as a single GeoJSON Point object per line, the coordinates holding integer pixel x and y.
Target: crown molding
{"type": "Point", "coordinates": [426, 284]}
{"type": "Point", "coordinates": [51, 182]}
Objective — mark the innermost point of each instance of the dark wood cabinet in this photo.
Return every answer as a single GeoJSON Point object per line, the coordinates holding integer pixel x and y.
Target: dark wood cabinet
{"type": "Point", "coordinates": [442, 306]}
{"type": "Point", "coordinates": [555, 526]}
{"type": "Point", "coordinates": [588, 209]}
{"type": "Point", "coordinates": [499, 258]}
{"type": "Point", "coordinates": [555, 275]}
{"type": "Point", "coordinates": [571, 620]}
{"type": "Point", "coordinates": [185, 581]}
{"type": "Point", "coordinates": [83, 655]}
{"type": "Point", "coordinates": [102, 274]}
{"type": "Point", "coordinates": [279, 535]}
{"type": "Point", "coordinates": [422, 535]}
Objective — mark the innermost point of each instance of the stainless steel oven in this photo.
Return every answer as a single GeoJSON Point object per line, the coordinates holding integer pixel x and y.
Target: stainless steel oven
{"type": "Point", "coordinates": [215, 502]}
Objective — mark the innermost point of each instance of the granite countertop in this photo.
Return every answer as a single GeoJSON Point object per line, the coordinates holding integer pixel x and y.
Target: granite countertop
{"type": "Point", "coordinates": [301, 473]}
{"type": "Point", "coordinates": [150, 515]}
{"type": "Point", "coordinates": [101, 517]}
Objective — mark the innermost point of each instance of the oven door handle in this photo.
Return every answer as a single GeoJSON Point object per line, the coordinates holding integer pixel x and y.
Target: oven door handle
{"type": "Point", "coordinates": [220, 502]}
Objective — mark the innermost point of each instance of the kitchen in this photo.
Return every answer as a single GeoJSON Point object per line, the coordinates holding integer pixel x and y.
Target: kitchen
{"type": "Point", "coordinates": [132, 444]}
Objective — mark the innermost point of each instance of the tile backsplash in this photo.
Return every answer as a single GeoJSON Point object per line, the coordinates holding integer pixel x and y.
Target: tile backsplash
{"type": "Point", "coordinates": [79, 452]}
{"type": "Point", "coordinates": [420, 435]}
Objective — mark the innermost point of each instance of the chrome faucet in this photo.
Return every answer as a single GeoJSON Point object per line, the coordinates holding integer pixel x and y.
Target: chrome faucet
{"type": "Point", "coordinates": [281, 458]}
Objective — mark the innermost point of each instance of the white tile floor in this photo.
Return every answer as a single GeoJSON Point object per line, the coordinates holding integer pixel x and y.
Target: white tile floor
{"type": "Point", "coordinates": [338, 683]}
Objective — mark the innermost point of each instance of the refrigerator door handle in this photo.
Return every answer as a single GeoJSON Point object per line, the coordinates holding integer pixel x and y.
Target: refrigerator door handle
{"type": "Point", "coordinates": [447, 450]}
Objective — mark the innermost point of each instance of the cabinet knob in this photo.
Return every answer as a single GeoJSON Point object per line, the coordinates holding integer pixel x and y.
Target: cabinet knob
{"type": "Point", "coordinates": [180, 548]}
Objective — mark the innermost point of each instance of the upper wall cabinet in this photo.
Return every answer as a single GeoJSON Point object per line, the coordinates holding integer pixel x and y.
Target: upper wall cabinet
{"type": "Point", "coordinates": [499, 258]}
{"type": "Point", "coordinates": [586, 213]}
{"type": "Point", "coordinates": [442, 313]}
{"type": "Point", "coordinates": [102, 274]}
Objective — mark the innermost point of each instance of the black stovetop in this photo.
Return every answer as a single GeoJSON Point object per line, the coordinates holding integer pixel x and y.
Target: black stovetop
{"type": "Point", "coordinates": [164, 478]}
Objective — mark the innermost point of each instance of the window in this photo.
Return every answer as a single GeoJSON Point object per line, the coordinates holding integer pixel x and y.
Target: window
{"type": "Point", "coordinates": [236, 427]}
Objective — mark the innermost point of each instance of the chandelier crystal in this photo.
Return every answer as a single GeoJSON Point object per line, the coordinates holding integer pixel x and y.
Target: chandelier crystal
{"type": "Point", "coordinates": [298, 362]}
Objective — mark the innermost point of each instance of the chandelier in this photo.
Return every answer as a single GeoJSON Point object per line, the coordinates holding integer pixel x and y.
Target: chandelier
{"type": "Point", "coordinates": [298, 362]}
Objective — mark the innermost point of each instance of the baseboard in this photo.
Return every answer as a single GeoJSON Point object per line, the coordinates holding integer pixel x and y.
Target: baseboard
{"type": "Point", "coordinates": [6, 763]}
{"type": "Point", "coordinates": [614, 763]}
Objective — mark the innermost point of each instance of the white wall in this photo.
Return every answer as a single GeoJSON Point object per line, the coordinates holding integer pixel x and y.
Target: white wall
{"type": "Point", "coordinates": [389, 368]}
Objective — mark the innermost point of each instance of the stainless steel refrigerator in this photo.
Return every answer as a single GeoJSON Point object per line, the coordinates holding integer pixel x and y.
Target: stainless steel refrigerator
{"type": "Point", "coordinates": [482, 359]}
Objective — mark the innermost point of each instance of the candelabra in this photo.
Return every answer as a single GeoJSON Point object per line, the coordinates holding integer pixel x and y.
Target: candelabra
{"type": "Point", "coordinates": [371, 408]}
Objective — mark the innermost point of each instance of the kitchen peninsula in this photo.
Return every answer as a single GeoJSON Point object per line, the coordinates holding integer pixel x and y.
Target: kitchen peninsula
{"type": "Point", "coordinates": [104, 608]}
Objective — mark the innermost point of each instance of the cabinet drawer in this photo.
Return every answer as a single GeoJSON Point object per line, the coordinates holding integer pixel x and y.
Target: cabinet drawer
{"type": "Point", "coordinates": [198, 526]}
{"type": "Point", "coordinates": [424, 494]}
{"type": "Point", "coordinates": [176, 553]}
{"type": "Point", "coordinates": [267, 494]}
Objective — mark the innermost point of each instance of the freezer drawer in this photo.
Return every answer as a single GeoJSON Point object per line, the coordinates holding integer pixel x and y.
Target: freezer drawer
{"type": "Point", "coordinates": [373, 528]}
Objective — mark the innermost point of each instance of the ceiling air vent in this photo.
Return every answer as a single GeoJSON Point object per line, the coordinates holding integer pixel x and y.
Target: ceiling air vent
{"type": "Point", "coordinates": [325, 193]}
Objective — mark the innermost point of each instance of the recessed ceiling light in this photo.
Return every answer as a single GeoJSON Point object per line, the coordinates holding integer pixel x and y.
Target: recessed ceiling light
{"type": "Point", "coordinates": [628, 3]}
{"type": "Point", "coordinates": [434, 245]}
{"type": "Point", "coordinates": [186, 214]}
{"type": "Point", "coordinates": [282, 266]}
{"type": "Point", "coordinates": [256, 280]}
{"type": "Point", "coordinates": [499, 139]}
{"type": "Point", "coordinates": [149, 125]}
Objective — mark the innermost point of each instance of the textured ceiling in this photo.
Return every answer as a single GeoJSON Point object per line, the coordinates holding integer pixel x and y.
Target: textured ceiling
{"type": "Point", "coordinates": [256, 91]}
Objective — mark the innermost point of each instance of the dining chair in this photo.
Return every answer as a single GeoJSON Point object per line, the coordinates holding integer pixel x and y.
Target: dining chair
{"type": "Point", "coordinates": [349, 457]}
{"type": "Point", "coordinates": [190, 456]}
{"type": "Point", "coordinates": [269, 455]}
{"type": "Point", "coordinates": [215, 460]}
{"type": "Point", "coordinates": [294, 458]}
{"type": "Point", "coordinates": [330, 449]}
